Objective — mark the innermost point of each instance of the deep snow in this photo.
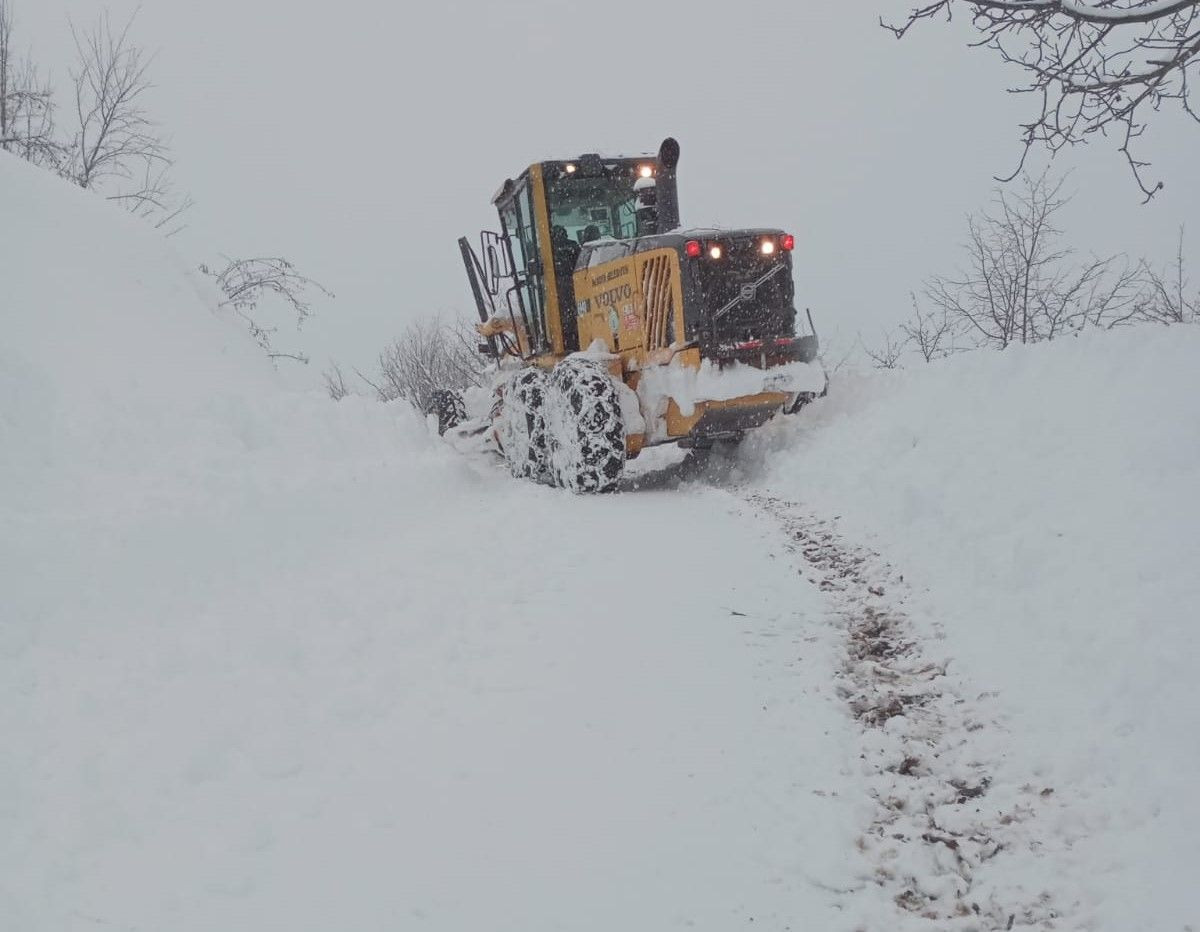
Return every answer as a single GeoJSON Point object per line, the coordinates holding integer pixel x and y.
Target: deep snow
{"type": "Point", "coordinates": [274, 662]}
{"type": "Point", "coordinates": [1044, 504]}
{"type": "Point", "coordinates": [268, 661]}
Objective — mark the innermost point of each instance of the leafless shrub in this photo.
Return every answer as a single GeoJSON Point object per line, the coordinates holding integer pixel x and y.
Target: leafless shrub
{"type": "Point", "coordinates": [1168, 298]}
{"type": "Point", "coordinates": [244, 282]}
{"type": "Point", "coordinates": [1092, 66]}
{"type": "Point", "coordinates": [335, 382]}
{"type": "Point", "coordinates": [930, 335]}
{"type": "Point", "coordinates": [117, 148]}
{"type": "Point", "coordinates": [887, 355]}
{"type": "Point", "coordinates": [26, 103]}
{"type": "Point", "coordinates": [1021, 285]}
{"type": "Point", "coordinates": [431, 354]}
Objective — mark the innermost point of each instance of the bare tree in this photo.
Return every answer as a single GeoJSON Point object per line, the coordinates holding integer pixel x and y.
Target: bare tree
{"type": "Point", "coordinates": [26, 103]}
{"type": "Point", "coordinates": [429, 355]}
{"type": "Point", "coordinates": [886, 356]}
{"type": "Point", "coordinates": [117, 147]}
{"type": "Point", "coordinates": [1168, 298]}
{"type": "Point", "coordinates": [244, 282]}
{"type": "Point", "coordinates": [1021, 285]}
{"type": "Point", "coordinates": [931, 335]}
{"type": "Point", "coordinates": [1092, 66]}
{"type": "Point", "coordinates": [7, 89]}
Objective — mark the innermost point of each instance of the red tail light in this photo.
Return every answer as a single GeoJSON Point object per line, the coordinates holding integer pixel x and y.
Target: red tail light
{"type": "Point", "coordinates": [787, 242]}
{"type": "Point", "coordinates": [692, 248]}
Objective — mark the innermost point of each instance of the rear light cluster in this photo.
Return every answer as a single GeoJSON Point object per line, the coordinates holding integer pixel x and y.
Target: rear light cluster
{"type": "Point", "coordinates": [767, 246]}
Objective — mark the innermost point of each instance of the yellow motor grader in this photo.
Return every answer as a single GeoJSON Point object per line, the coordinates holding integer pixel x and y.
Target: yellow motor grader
{"type": "Point", "coordinates": [613, 329]}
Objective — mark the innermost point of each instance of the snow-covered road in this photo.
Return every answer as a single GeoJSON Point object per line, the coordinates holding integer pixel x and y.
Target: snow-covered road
{"type": "Point", "coordinates": [450, 701]}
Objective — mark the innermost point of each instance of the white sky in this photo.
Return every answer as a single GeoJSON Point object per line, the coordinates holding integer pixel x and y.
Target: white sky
{"type": "Point", "coordinates": [361, 138]}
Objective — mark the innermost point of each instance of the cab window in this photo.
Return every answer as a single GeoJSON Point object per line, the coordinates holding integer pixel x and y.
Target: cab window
{"type": "Point", "coordinates": [588, 209]}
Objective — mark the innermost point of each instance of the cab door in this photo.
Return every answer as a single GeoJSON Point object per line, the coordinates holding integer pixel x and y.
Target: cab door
{"type": "Point", "coordinates": [520, 228]}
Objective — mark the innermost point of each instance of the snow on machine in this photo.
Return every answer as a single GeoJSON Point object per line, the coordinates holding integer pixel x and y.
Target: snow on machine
{"type": "Point", "coordinates": [613, 329]}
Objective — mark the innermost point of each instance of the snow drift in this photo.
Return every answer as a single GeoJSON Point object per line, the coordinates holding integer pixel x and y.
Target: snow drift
{"type": "Point", "coordinates": [1045, 502]}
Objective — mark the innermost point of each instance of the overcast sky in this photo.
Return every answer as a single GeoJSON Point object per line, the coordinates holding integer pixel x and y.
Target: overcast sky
{"type": "Point", "coordinates": [361, 138]}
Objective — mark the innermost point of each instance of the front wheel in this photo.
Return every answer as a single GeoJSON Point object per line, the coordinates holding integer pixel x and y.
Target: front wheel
{"type": "Point", "coordinates": [586, 432]}
{"type": "Point", "coordinates": [522, 425]}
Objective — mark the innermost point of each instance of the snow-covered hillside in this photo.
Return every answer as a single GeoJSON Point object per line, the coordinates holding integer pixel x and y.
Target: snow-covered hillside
{"type": "Point", "coordinates": [271, 662]}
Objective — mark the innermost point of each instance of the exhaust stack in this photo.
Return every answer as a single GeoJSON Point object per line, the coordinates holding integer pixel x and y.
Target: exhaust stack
{"type": "Point", "coordinates": [668, 196]}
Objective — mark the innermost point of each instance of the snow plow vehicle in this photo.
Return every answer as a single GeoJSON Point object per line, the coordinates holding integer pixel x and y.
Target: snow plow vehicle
{"type": "Point", "coordinates": [613, 329]}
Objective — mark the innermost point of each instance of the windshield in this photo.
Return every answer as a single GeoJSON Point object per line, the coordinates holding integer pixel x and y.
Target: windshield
{"type": "Point", "coordinates": [590, 208]}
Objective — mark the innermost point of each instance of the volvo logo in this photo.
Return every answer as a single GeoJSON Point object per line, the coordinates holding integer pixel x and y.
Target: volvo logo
{"type": "Point", "coordinates": [747, 291]}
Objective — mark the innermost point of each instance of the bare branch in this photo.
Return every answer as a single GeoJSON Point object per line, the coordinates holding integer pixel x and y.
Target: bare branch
{"type": "Point", "coordinates": [1168, 298]}
{"type": "Point", "coordinates": [1096, 67]}
{"type": "Point", "coordinates": [26, 104]}
{"type": "Point", "coordinates": [887, 355]}
{"type": "Point", "coordinates": [1020, 285]}
{"type": "Point", "coordinates": [117, 146]}
{"type": "Point", "coordinates": [931, 335]}
{"type": "Point", "coordinates": [335, 382]}
{"type": "Point", "coordinates": [244, 282]}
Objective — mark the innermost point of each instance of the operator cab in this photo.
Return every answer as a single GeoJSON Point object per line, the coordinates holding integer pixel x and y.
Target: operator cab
{"type": "Point", "coordinates": [555, 208]}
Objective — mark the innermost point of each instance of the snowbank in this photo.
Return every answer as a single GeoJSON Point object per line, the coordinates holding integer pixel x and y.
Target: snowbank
{"type": "Point", "coordinates": [105, 335]}
{"type": "Point", "coordinates": [123, 381]}
{"type": "Point", "coordinates": [1047, 501]}
{"type": "Point", "coordinates": [161, 504]}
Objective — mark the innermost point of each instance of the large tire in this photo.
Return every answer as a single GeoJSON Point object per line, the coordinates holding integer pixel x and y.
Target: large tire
{"type": "Point", "coordinates": [522, 425]}
{"type": "Point", "coordinates": [449, 407]}
{"type": "Point", "coordinates": [586, 431]}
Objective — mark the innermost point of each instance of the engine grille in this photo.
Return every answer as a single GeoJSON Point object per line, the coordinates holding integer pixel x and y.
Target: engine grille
{"type": "Point", "coordinates": [660, 302]}
{"type": "Point", "coordinates": [739, 305]}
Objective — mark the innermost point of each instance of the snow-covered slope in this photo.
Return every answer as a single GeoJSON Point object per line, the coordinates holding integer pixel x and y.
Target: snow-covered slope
{"type": "Point", "coordinates": [1045, 504]}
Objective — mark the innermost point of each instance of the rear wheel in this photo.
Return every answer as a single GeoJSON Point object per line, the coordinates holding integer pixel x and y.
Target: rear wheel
{"type": "Point", "coordinates": [522, 425]}
{"type": "Point", "coordinates": [586, 431]}
{"type": "Point", "coordinates": [448, 406]}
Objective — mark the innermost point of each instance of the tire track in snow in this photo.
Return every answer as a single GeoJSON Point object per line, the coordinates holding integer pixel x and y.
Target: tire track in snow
{"type": "Point", "coordinates": [955, 848]}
